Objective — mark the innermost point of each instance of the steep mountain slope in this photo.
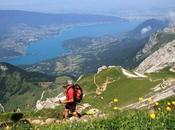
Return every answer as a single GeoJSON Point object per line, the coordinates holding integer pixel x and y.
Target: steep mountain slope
{"type": "Point", "coordinates": [28, 76]}
{"type": "Point", "coordinates": [20, 88]}
{"type": "Point", "coordinates": [164, 57]}
{"type": "Point", "coordinates": [161, 47]}
{"type": "Point", "coordinates": [156, 41]}
{"type": "Point", "coordinates": [116, 82]}
{"type": "Point", "coordinates": [146, 28]}
{"type": "Point", "coordinates": [127, 86]}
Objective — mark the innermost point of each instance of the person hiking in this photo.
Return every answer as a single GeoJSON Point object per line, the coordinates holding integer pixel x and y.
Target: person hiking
{"type": "Point", "coordinates": [70, 101]}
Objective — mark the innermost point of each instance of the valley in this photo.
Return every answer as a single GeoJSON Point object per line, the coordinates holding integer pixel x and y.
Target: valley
{"type": "Point", "coordinates": [30, 28]}
{"type": "Point", "coordinates": [89, 53]}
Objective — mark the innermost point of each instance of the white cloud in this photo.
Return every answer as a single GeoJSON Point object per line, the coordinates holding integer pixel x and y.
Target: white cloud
{"type": "Point", "coordinates": [146, 29]}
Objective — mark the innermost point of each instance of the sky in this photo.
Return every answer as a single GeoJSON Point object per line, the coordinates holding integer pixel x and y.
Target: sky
{"type": "Point", "coordinates": [108, 7]}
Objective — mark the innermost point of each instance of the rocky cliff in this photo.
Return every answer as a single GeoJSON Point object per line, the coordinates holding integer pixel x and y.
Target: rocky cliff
{"type": "Point", "coordinates": [158, 53]}
{"type": "Point", "coordinates": [163, 57]}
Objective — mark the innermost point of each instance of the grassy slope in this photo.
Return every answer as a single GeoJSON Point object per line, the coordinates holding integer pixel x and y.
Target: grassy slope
{"type": "Point", "coordinates": [27, 100]}
{"type": "Point", "coordinates": [127, 90]}
{"type": "Point", "coordinates": [20, 89]}
{"type": "Point", "coordinates": [137, 120]}
{"type": "Point", "coordinates": [127, 120]}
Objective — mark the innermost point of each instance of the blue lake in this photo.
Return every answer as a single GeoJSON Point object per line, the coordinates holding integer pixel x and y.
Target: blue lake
{"type": "Point", "coordinates": [52, 47]}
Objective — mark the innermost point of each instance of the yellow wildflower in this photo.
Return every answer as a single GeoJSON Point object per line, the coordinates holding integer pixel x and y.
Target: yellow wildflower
{"type": "Point", "coordinates": [115, 108]}
{"type": "Point", "coordinates": [168, 103]}
{"type": "Point", "coordinates": [141, 99]}
{"type": "Point", "coordinates": [149, 99]}
{"type": "Point", "coordinates": [115, 100]}
{"type": "Point", "coordinates": [152, 115]}
{"type": "Point", "coordinates": [173, 102]}
{"type": "Point", "coordinates": [7, 128]}
{"type": "Point", "coordinates": [168, 108]}
{"type": "Point", "coordinates": [156, 103]}
{"type": "Point", "coordinates": [92, 111]}
{"type": "Point", "coordinates": [159, 108]}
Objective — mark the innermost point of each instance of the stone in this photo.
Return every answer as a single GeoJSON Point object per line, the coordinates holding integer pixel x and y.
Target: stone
{"type": "Point", "coordinates": [50, 120]}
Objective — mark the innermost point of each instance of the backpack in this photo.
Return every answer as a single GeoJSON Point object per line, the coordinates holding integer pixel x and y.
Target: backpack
{"type": "Point", "coordinates": [78, 93]}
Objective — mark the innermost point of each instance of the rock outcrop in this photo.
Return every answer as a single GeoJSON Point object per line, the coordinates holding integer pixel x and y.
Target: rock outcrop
{"type": "Point", "coordinates": [163, 57]}
{"type": "Point", "coordinates": [49, 102]}
{"type": "Point", "coordinates": [156, 41]}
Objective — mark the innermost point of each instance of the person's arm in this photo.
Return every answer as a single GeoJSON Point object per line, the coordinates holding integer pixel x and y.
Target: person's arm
{"type": "Point", "coordinates": [71, 95]}
{"type": "Point", "coordinates": [65, 101]}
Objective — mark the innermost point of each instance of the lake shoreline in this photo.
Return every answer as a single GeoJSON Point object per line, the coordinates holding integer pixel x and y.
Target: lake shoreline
{"type": "Point", "coordinates": [66, 33]}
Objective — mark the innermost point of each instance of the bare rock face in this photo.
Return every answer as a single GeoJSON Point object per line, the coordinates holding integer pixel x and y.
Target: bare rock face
{"type": "Point", "coordinates": [49, 102]}
{"type": "Point", "coordinates": [160, 59]}
{"type": "Point", "coordinates": [156, 41]}
{"type": "Point", "coordinates": [169, 29]}
{"type": "Point", "coordinates": [146, 51]}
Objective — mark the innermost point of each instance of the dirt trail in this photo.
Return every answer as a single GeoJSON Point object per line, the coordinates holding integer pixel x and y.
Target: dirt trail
{"type": "Point", "coordinates": [95, 81]}
{"type": "Point", "coordinates": [103, 87]}
{"type": "Point", "coordinates": [91, 114]}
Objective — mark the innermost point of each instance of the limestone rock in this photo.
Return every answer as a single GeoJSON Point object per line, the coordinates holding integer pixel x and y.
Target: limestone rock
{"type": "Point", "coordinates": [164, 57]}
{"type": "Point", "coordinates": [50, 120]}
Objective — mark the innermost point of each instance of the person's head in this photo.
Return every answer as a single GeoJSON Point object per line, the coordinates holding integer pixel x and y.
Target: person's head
{"type": "Point", "coordinates": [69, 83]}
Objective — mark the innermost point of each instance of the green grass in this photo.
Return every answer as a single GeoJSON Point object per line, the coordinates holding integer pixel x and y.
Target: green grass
{"type": "Point", "coordinates": [25, 101]}
{"type": "Point", "coordinates": [87, 83]}
{"type": "Point", "coordinates": [127, 120]}
{"type": "Point", "coordinates": [127, 90]}
{"type": "Point", "coordinates": [116, 120]}
{"type": "Point", "coordinates": [163, 74]}
{"type": "Point", "coordinates": [40, 114]}
{"type": "Point", "coordinates": [46, 113]}
{"type": "Point", "coordinates": [163, 39]}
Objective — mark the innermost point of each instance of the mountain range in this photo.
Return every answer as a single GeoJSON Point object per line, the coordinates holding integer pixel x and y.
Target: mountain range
{"type": "Point", "coordinates": [11, 18]}
{"type": "Point", "coordinates": [17, 85]}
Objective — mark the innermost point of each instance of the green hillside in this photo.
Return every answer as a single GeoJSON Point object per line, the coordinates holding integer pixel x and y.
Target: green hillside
{"type": "Point", "coordinates": [162, 39]}
{"type": "Point", "coordinates": [19, 87]}
{"type": "Point", "coordinates": [126, 89]}
{"type": "Point", "coordinates": [115, 82]}
{"type": "Point", "coordinates": [146, 119]}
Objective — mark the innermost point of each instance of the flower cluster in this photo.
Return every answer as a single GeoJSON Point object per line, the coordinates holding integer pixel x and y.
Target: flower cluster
{"type": "Point", "coordinates": [115, 104]}
{"type": "Point", "coordinates": [155, 106]}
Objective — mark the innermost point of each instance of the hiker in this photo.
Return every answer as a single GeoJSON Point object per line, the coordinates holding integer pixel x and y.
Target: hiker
{"type": "Point", "coordinates": [73, 96]}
